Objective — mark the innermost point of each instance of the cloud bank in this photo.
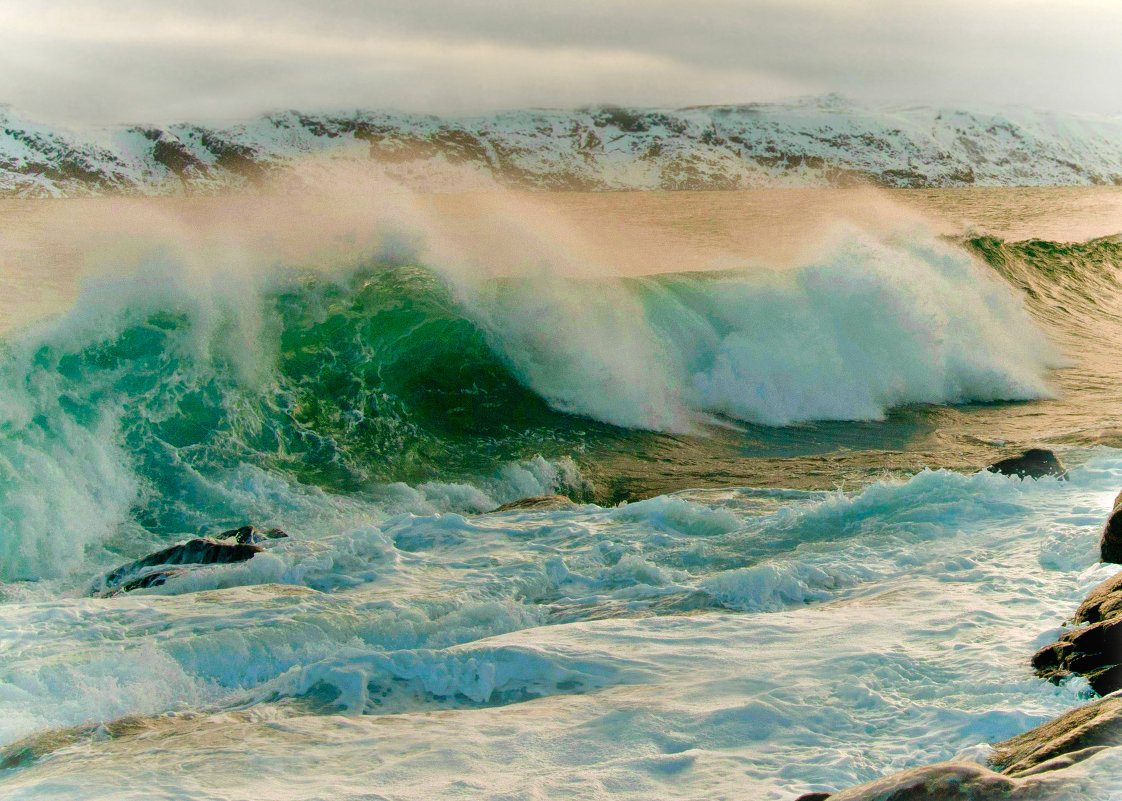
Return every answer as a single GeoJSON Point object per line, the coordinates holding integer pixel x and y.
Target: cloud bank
{"type": "Point", "coordinates": [123, 60]}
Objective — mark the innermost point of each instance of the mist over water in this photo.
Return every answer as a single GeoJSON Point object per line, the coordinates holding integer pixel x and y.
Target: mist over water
{"type": "Point", "coordinates": [374, 373]}
{"type": "Point", "coordinates": [415, 363]}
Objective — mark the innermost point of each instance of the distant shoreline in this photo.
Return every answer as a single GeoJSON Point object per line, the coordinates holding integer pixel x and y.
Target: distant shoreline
{"type": "Point", "coordinates": [815, 143]}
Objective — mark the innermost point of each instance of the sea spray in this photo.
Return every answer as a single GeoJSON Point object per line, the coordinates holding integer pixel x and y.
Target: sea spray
{"type": "Point", "coordinates": [124, 416]}
{"type": "Point", "coordinates": [870, 325]}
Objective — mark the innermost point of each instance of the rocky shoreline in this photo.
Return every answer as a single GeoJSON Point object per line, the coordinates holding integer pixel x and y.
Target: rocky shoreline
{"type": "Point", "coordinates": [1037, 765]}
{"type": "Point", "coordinates": [1034, 765]}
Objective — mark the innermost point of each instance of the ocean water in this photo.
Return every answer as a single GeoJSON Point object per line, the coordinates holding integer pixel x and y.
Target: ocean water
{"type": "Point", "coordinates": [783, 571]}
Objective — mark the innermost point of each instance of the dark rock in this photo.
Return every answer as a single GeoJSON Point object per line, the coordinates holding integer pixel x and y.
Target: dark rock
{"type": "Point", "coordinates": [177, 157]}
{"type": "Point", "coordinates": [813, 797]}
{"type": "Point", "coordinates": [1094, 649]}
{"type": "Point", "coordinates": [154, 579]}
{"type": "Point", "coordinates": [201, 551]}
{"type": "Point", "coordinates": [1110, 548]}
{"type": "Point", "coordinates": [537, 503]}
{"type": "Point", "coordinates": [1033, 463]}
{"type": "Point", "coordinates": [251, 535]}
{"type": "Point", "coordinates": [138, 575]}
{"type": "Point", "coordinates": [1063, 741]}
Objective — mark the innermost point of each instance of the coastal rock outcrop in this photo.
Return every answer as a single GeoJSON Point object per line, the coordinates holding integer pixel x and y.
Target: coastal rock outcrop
{"type": "Point", "coordinates": [1033, 463]}
{"type": "Point", "coordinates": [1094, 648]}
{"type": "Point", "coordinates": [42, 744]}
{"type": "Point", "coordinates": [1110, 548]}
{"type": "Point", "coordinates": [156, 568]}
{"type": "Point", "coordinates": [1060, 743]}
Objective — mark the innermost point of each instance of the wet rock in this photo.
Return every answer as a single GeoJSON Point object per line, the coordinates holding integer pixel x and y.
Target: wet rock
{"type": "Point", "coordinates": [1092, 651]}
{"type": "Point", "coordinates": [537, 503]}
{"type": "Point", "coordinates": [201, 551]}
{"type": "Point", "coordinates": [1033, 463]}
{"type": "Point", "coordinates": [1062, 742]}
{"type": "Point", "coordinates": [955, 781]}
{"type": "Point", "coordinates": [1094, 648]}
{"type": "Point", "coordinates": [154, 579]}
{"type": "Point", "coordinates": [251, 535]}
{"type": "Point", "coordinates": [813, 797]}
{"type": "Point", "coordinates": [39, 745]}
{"type": "Point", "coordinates": [156, 568]}
{"type": "Point", "coordinates": [1110, 548]}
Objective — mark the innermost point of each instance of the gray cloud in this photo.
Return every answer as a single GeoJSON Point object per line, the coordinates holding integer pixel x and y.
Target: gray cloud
{"type": "Point", "coordinates": [114, 60]}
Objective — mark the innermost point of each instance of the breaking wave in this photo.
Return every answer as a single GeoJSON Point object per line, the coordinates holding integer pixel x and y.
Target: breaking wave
{"type": "Point", "coordinates": [167, 401]}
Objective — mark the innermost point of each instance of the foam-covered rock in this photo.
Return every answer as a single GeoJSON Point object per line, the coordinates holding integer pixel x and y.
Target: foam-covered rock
{"type": "Point", "coordinates": [1032, 765]}
{"type": "Point", "coordinates": [156, 568]}
{"type": "Point", "coordinates": [251, 535]}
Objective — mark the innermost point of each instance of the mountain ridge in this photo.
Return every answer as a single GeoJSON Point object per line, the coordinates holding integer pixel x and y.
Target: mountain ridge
{"type": "Point", "coordinates": [823, 141]}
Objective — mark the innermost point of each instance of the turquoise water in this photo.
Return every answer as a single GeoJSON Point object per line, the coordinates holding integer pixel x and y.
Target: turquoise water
{"type": "Point", "coordinates": [782, 573]}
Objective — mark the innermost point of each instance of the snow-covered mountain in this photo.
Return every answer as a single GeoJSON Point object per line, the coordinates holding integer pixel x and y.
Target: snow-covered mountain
{"type": "Point", "coordinates": [816, 142]}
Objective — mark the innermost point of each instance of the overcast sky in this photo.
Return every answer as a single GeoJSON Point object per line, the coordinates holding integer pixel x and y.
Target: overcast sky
{"type": "Point", "coordinates": [152, 60]}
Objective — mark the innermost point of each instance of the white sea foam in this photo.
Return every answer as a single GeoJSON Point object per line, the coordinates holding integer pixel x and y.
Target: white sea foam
{"type": "Point", "coordinates": [817, 655]}
{"type": "Point", "coordinates": [477, 674]}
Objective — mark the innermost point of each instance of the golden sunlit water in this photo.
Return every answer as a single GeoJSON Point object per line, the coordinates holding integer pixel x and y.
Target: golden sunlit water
{"type": "Point", "coordinates": [49, 245]}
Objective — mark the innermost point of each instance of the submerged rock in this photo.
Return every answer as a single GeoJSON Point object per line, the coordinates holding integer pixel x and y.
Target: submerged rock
{"type": "Point", "coordinates": [1094, 649]}
{"type": "Point", "coordinates": [1033, 463]}
{"type": "Point", "coordinates": [1110, 548]}
{"type": "Point", "coordinates": [537, 503]}
{"type": "Point", "coordinates": [36, 746]}
{"type": "Point", "coordinates": [156, 568]}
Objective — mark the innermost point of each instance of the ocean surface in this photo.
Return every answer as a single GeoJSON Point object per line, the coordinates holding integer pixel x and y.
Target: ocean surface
{"type": "Point", "coordinates": [783, 573]}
